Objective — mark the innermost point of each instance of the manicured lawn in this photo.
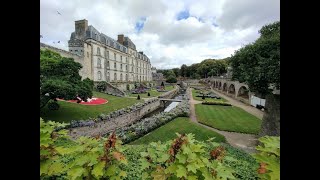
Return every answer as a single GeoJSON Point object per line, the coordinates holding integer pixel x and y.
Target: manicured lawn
{"type": "Point", "coordinates": [227, 118]}
{"type": "Point", "coordinates": [153, 93]}
{"type": "Point", "coordinates": [72, 111]}
{"type": "Point", "coordinates": [208, 99]}
{"type": "Point", "coordinates": [179, 125]}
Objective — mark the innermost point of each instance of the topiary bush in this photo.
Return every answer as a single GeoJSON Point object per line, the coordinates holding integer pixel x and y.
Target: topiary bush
{"type": "Point", "coordinates": [148, 94]}
{"type": "Point", "coordinates": [53, 105]}
{"type": "Point", "coordinates": [138, 98]}
{"type": "Point", "coordinates": [216, 103]}
{"type": "Point", "coordinates": [101, 86]}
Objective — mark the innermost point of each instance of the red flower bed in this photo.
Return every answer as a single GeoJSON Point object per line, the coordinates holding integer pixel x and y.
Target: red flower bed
{"type": "Point", "coordinates": [93, 101]}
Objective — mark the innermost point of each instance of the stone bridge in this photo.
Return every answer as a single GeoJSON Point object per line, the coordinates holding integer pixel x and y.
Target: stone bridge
{"type": "Point", "coordinates": [234, 89]}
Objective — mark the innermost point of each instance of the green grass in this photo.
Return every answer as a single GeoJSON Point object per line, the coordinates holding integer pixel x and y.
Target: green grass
{"type": "Point", "coordinates": [179, 125]}
{"type": "Point", "coordinates": [153, 93]}
{"type": "Point", "coordinates": [72, 111]}
{"type": "Point", "coordinates": [208, 99]}
{"type": "Point", "coordinates": [227, 118]}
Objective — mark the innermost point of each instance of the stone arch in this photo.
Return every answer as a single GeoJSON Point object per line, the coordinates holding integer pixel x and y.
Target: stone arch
{"type": "Point", "coordinates": [220, 85]}
{"type": "Point", "coordinates": [225, 87]}
{"type": "Point", "coordinates": [214, 84]}
{"type": "Point", "coordinates": [232, 89]}
{"type": "Point", "coordinates": [243, 92]}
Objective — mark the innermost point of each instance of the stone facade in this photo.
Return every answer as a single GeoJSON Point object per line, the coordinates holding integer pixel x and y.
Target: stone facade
{"type": "Point", "coordinates": [105, 59]}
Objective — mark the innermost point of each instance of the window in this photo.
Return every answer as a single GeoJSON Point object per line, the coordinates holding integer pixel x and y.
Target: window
{"type": "Point", "coordinates": [115, 65]}
{"type": "Point", "coordinates": [132, 69]}
{"type": "Point", "coordinates": [87, 54]}
{"type": "Point", "coordinates": [108, 64]}
{"type": "Point", "coordinates": [127, 77]}
{"type": "Point", "coordinates": [115, 57]}
{"type": "Point", "coordinates": [99, 63]}
{"type": "Point", "coordinates": [126, 60]}
{"type": "Point", "coordinates": [107, 55]}
{"type": "Point", "coordinates": [99, 75]}
{"type": "Point", "coordinates": [121, 77]}
{"type": "Point", "coordinates": [108, 76]}
{"type": "Point", "coordinates": [115, 76]}
{"type": "Point", "coordinates": [137, 70]}
{"type": "Point", "coordinates": [71, 50]}
{"type": "Point", "coordinates": [76, 50]}
{"type": "Point", "coordinates": [121, 58]}
{"type": "Point", "coordinates": [98, 50]}
{"type": "Point", "coordinates": [126, 67]}
{"type": "Point", "coordinates": [121, 67]}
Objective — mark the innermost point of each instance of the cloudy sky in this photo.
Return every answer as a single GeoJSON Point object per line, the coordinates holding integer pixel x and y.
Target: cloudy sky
{"type": "Point", "coordinates": [169, 32]}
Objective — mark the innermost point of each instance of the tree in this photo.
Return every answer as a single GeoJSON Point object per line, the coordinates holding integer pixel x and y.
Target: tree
{"type": "Point", "coordinates": [258, 65]}
{"type": "Point", "coordinates": [183, 70]}
{"type": "Point", "coordinates": [171, 79]}
{"type": "Point", "coordinates": [59, 78]}
{"type": "Point", "coordinates": [176, 71]}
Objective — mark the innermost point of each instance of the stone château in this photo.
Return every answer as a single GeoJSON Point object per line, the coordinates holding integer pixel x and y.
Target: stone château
{"type": "Point", "coordinates": [105, 59]}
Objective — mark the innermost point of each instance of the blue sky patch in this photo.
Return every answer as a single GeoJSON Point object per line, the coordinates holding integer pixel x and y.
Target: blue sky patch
{"type": "Point", "coordinates": [183, 15]}
{"type": "Point", "coordinates": [139, 25]}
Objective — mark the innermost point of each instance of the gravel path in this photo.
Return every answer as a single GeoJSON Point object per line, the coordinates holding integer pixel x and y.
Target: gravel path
{"type": "Point", "coordinates": [246, 142]}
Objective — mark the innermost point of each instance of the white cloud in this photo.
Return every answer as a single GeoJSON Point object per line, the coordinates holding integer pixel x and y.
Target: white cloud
{"type": "Point", "coordinates": [214, 29]}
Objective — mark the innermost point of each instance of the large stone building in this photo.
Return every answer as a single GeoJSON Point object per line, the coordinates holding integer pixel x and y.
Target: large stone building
{"type": "Point", "coordinates": [105, 59]}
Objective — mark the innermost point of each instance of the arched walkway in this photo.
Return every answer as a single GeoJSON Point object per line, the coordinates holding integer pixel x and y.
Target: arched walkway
{"type": "Point", "coordinates": [243, 92]}
{"type": "Point", "coordinates": [232, 90]}
{"type": "Point", "coordinates": [225, 87]}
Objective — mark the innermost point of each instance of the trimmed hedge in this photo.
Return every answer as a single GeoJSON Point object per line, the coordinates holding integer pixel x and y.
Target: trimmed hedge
{"type": "Point", "coordinates": [216, 103]}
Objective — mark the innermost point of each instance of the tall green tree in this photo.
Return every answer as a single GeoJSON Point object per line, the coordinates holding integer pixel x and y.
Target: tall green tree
{"type": "Point", "coordinates": [59, 78]}
{"type": "Point", "coordinates": [183, 70]}
{"type": "Point", "coordinates": [258, 65]}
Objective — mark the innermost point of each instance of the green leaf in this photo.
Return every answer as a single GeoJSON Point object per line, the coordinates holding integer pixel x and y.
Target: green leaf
{"type": "Point", "coordinates": [75, 172]}
{"type": "Point", "coordinates": [182, 158]}
{"type": "Point", "coordinates": [159, 174]}
{"type": "Point", "coordinates": [192, 178]}
{"type": "Point", "coordinates": [196, 148]}
{"type": "Point", "coordinates": [111, 171]}
{"type": "Point", "coordinates": [163, 158]}
{"type": "Point", "coordinates": [56, 168]}
{"type": "Point", "coordinates": [145, 175]}
{"type": "Point", "coordinates": [144, 163]}
{"type": "Point", "coordinates": [181, 171]}
{"type": "Point", "coordinates": [98, 169]}
{"type": "Point", "coordinates": [192, 167]}
{"type": "Point", "coordinates": [123, 174]}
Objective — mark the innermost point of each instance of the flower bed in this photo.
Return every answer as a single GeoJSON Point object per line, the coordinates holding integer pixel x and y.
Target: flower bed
{"type": "Point", "coordinates": [216, 103]}
{"type": "Point", "coordinates": [92, 101]}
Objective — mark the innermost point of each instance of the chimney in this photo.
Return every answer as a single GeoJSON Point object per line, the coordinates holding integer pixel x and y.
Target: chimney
{"type": "Point", "coordinates": [121, 39]}
{"type": "Point", "coordinates": [81, 26]}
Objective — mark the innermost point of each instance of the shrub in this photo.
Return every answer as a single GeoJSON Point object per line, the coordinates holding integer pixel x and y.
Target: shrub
{"type": "Point", "coordinates": [148, 94]}
{"type": "Point", "coordinates": [53, 105]}
{"type": "Point", "coordinates": [216, 103]}
{"type": "Point", "coordinates": [171, 79]}
{"type": "Point", "coordinates": [101, 86]}
{"type": "Point", "coordinates": [203, 97]}
{"type": "Point", "coordinates": [138, 98]}
{"type": "Point", "coordinates": [89, 83]}
{"type": "Point", "coordinates": [269, 157]}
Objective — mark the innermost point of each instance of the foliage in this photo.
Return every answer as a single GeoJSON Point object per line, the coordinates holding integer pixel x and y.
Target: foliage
{"type": "Point", "coordinates": [243, 164]}
{"type": "Point", "coordinates": [138, 98]}
{"type": "Point", "coordinates": [171, 79]}
{"type": "Point", "coordinates": [228, 118]}
{"type": "Point", "coordinates": [269, 157]}
{"type": "Point", "coordinates": [262, 58]}
{"type": "Point", "coordinates": [183, 70]}
{"type": "Point", "coordinates": [87, 158]}
{"type": "Point", "coordinates": [53, 105]}
{"type": "Point", "coordinates": [216, 103]}
{"type": "Point", "coordinates": [89, 83]}
{"type": "Point", "coordinates": [101, 86]}
{"type": "Point", "coordinates": [59, 78]}
{"type": "Point", "coordinates": [148, 93]}
{"type": "Point", "coordinates": [184, 158]}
